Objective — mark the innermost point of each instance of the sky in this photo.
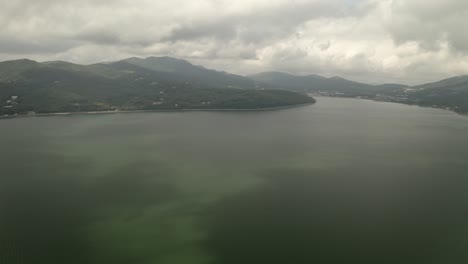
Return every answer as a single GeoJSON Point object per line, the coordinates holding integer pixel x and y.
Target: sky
{"type": "Point", "coordinates": [372, 41]}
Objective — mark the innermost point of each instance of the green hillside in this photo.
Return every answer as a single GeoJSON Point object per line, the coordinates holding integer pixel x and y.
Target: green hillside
{"type": "Point", "coordinates": [317, 84]}
{"type": "Point", "coordinates": [177, 69]}
{"type": "Point", "coordinates": [27, 86]}
{"type": "Point", "coordinates": [449, 94]}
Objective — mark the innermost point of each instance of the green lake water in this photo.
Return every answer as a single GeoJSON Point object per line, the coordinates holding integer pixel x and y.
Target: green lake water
{"type": "Point", "coordinates": [341, 181]}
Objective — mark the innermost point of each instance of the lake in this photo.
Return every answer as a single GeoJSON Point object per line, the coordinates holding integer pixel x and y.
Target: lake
{"type": "Point", "coordinates": [341, 181]}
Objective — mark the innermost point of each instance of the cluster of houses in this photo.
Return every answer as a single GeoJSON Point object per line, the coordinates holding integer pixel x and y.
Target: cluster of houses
{"type": "Point", "coordinates": [11, 102]}
{"type": "Point", "coordinates": [325, 93]}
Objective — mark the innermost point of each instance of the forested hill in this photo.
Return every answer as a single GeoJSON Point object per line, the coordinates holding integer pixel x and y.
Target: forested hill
{"type": "Point", "coordinates": [320, 85]}
{"type": "Point", "coordinates": [134, 84]}
{"type": "Point", "coordinates": [196, 75]}
{"type": "Point", "coordinates": [156, 83]}
{"type": "Point", "coordinates": [451, 94]}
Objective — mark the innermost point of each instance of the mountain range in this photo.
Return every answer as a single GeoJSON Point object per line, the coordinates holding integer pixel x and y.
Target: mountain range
{"type": "Point", "coordinates": [451, 94]}
{"type": "Point", "coordinates": [153, 83]}
{"type": "Point", "coordinates": [317, 83]}
{"type": "Point", "coordinates": [167, 83]}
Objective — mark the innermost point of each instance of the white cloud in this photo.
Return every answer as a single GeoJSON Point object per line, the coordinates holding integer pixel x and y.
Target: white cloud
{"type": "Point", "coordinates": [408, 41]}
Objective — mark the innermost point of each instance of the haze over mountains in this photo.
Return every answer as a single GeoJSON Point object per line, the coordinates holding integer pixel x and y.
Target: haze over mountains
{"type": "Point", "coordinates": [168, 83]}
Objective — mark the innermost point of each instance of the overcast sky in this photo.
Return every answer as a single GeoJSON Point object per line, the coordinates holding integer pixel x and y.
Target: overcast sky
{"type": "Point", "coordinates": [374, 41]}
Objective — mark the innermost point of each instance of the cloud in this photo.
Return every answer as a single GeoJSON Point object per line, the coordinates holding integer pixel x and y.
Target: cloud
{"type": "Point", "coordinates": [25, 46]}
{"type": "Point", "coordinates": [430, 23]}
{"type": "Point", "coordinates": [408, 41]}
{"type": "Point", "coordinates": [258, 23]}
{"type": "Point", "coordinates": [99, 37]}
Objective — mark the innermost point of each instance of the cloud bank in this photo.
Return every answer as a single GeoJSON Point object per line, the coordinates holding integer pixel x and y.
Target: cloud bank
{"type": "Point", "coordinates": [374, 41]}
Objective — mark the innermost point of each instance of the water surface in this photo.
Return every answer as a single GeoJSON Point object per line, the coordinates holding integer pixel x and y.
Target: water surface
{"type": "Point", "coordinates": [342, 181]}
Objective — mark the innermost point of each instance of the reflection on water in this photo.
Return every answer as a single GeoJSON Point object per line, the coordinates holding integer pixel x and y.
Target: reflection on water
{"type": "Point", "coordinates": [343, 181]}
{"type": "Point", "coordinates": [326, 217]}
{"type": "Point", "coordinates": [47, 203]}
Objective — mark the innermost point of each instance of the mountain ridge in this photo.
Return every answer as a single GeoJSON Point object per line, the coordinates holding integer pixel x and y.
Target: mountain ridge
{"type": "Point", "coordinates": [450, 93]}
{"type": "Point", "coordinates": [139, 73]}
{"type": "Point", "coordinates": [56, 86]}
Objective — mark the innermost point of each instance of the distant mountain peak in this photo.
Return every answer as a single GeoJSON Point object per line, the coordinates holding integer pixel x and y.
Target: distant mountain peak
{"type": "Point", "coordinates": [20, 61]}
{"type": "Point", "coordinates": [461, 80]}
{"type": "Point", "coordinates": [58, 62]}
{"type": "Point", "coordinates": [166, 59]}
{"type": "Point", "coordinates": [275, 74]}
{"type": "Point", "coordinates": [162, 64]}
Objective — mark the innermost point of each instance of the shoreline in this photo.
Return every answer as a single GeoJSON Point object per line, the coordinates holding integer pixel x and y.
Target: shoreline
{"type": "Point", "coordinates": [155, 111]}
{"type": "Point", "coordinates": [397, 102]}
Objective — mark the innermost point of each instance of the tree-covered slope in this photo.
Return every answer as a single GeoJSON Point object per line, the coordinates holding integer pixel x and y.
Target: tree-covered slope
{"type": "Point", "coordinates": [177, 69]}
{"type": "Point", "coordinates": [28, 86]}
{"type": "Point", "coordinates": [318, 84]}
{"type": "Point", "coordinates": [450, 93]}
